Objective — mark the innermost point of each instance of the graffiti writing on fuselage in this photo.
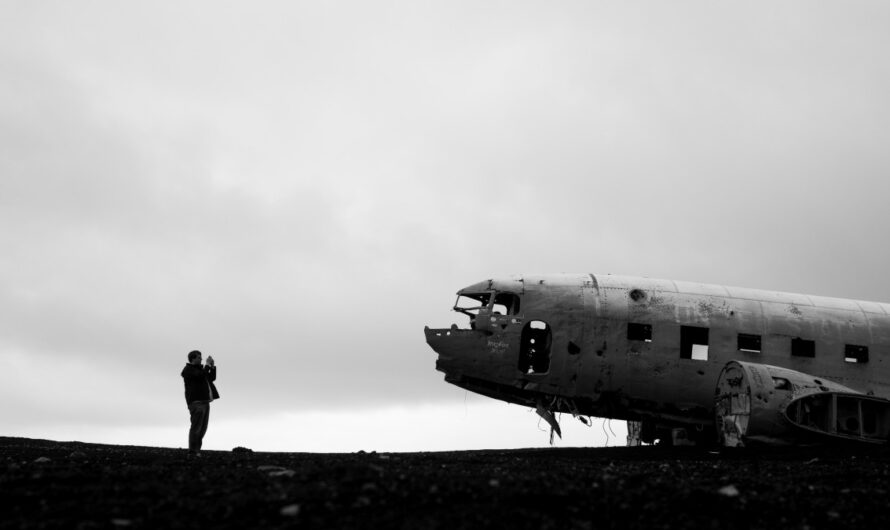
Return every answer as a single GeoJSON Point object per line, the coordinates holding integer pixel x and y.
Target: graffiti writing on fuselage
{"type": "Point", "coordinates": [497, 347]}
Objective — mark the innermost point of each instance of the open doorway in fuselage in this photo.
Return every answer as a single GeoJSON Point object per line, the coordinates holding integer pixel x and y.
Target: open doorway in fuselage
{"type": "Point", "coordinates": [534, 348]}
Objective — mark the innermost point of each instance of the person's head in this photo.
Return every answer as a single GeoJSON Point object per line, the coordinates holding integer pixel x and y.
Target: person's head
{"type": "Point", "coordinates": [194, 357]}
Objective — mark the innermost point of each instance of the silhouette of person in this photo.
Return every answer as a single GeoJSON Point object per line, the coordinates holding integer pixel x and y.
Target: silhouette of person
{"type": "Point", "coordinates": [199, 392]}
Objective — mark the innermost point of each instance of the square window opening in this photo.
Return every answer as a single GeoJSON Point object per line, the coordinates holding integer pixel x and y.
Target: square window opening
{"type": "Point", "coordinates": [749, 343]}
{"type": "Point", "coordinates": [803, 348]}
{"type": "Point", "coordinates": [855, 354]}
{"type": "Point", "coordinates": [642, 332]}
{"type": "Point", "coordinates": [505, 304]}
{"type": "Point", "coordinates": [694, 343]}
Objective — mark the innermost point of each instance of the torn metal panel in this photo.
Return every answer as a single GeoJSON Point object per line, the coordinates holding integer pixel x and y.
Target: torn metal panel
{"type": "Point", "coordinates": [550, 418]}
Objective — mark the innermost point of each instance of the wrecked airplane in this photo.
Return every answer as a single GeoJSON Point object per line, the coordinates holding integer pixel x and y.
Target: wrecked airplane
{"type": "Point", "coordinates": [681, 362]}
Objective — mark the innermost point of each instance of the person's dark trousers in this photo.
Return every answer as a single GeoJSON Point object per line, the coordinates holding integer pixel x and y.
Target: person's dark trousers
{"type": "Point", "coordinates": [200, 413]}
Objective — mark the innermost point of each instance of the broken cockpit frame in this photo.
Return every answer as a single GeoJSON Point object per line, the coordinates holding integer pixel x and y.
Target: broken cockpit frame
{"type": "Point", "coordinates": [486, 304]}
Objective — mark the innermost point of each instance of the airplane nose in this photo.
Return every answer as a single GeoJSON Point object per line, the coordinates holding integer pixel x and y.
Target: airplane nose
{"type": "Point", "coordinates": [456, 347]}
{"type": "Point", "coordinates": [440, 340]}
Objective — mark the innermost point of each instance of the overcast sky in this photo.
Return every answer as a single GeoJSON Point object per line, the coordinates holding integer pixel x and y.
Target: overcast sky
{"type": "Point", "coordinates": [297, 188]}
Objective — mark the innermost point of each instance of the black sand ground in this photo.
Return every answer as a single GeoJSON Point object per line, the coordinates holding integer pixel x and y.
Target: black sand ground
{"type": "Point", "coordinates": [71, 485]}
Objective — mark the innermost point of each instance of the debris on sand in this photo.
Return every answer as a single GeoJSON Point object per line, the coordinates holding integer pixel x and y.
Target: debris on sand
{"type": "Point", "coordinates": [729, 491]}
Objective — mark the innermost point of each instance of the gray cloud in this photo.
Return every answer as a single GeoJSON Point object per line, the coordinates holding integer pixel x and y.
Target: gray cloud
{"type": "Point", "coordinates": [298, 190]}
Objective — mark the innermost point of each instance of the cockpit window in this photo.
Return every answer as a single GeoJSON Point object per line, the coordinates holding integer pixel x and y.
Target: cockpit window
{"type": "Point", "coordinates": [471, 303]}
{"type": "Point", "coordinates": [506, 304]}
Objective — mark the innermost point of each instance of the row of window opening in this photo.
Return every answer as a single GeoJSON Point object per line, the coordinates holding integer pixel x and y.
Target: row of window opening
{"type": "Point", "coordinates": [694, 343]}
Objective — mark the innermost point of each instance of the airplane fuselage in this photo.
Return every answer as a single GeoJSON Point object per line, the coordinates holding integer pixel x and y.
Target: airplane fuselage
{"type": "Point", "coordinates": [647, 349]}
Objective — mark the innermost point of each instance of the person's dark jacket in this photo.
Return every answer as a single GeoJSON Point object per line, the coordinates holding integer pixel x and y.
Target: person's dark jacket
{"type": "Point", "coordinates": [199, 382]}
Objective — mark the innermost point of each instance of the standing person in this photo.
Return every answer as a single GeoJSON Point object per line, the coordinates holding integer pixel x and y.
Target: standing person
{"type": "Point", "coordinates": [199, 392]}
